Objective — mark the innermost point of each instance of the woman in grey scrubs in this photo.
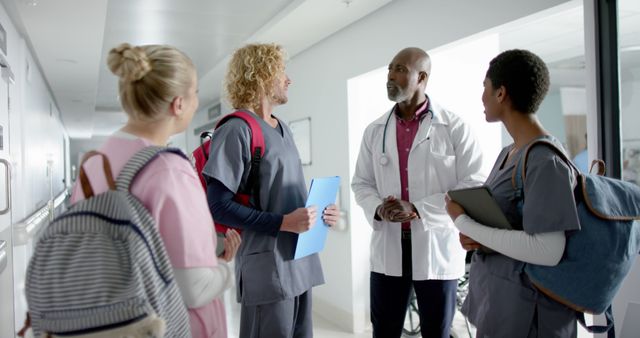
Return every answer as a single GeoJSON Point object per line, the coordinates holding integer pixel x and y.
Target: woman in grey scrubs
{"type": "Point", "coordinates": [502, 302]}
{"type": "Point", "coordinates": [273, 288]}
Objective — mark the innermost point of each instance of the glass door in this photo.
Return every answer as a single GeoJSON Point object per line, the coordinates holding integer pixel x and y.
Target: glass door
{"type": "Point", "coordinates": [626, 306]}
{"type": "Point", "coordinates": [629, 60]}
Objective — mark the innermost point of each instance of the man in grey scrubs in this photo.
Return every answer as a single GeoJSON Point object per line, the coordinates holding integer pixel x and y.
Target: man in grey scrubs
{"type": "Point", "coordinates": [273, 288]}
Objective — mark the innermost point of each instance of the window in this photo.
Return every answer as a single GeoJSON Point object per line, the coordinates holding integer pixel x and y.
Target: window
{"type": "Point", "coordinates": [629, 60]}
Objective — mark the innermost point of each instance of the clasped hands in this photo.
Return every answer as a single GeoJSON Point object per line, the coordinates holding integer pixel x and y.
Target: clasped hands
{"type": "Point", "coordinates": [396, 210]}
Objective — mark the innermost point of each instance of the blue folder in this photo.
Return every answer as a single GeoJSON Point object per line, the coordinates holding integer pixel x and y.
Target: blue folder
{"type": "Point", "coordinates": [322, 193]}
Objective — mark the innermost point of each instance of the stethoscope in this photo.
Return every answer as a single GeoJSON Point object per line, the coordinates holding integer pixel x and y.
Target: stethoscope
{"type": "Point", "coordinates": [384, 159]}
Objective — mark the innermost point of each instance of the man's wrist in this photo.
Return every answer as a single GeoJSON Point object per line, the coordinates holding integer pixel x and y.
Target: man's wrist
{"type": "Point", "coordinates": [415, 210]}
{"type": "Point", "coordinates": [376, 214]}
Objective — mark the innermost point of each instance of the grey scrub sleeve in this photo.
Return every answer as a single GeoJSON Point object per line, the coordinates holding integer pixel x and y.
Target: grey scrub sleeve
{"type": "Point", "coordinates": [229, 160]}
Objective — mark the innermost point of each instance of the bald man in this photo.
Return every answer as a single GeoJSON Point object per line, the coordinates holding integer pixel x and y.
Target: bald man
{"type": "Point", "coordinates": [409, 158]}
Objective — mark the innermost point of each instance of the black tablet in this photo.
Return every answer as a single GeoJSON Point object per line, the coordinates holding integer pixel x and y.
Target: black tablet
{"type": "Point", "coordinates": [480, 205]}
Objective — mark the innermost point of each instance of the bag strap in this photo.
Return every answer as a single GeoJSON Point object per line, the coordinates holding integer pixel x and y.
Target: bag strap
{"type": "Point", "coordinates": [602, 167]}
{"type": "Point", "coordinates": [609, 328]}
{"type": "Point", "coordinates": [84, 179]}
{"type": "Point", "coordinates": [26, 326]}
{"type": "Point", "coordinates": [139, 161]}
{"type": "Point", "coordinates": [257, 138]}
{"type": "Point", "coordinates": [257, 148]}
{"type": "Point", "coordinates": [518, 175]}
{"type": "Point", "coordinates": [519, 172]}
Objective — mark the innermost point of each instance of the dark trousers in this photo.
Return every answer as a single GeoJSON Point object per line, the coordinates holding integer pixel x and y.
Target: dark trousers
{"type": "Point", "coordinates": [390, 298]}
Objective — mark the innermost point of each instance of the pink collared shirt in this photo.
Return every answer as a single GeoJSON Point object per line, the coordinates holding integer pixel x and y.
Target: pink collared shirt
{"type": "Point", "coordinates": [405, 134]}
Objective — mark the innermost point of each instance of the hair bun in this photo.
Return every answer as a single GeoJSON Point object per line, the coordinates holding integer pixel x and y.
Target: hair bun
{"type": "Point", "coordinates": [128, 62]}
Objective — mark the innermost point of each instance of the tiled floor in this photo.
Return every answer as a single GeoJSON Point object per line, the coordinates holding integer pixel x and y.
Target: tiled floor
{"type": "Point", "coordinates": [322, 328]}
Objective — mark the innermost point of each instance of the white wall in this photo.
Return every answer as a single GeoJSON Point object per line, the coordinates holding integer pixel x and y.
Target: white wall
{"type": "Point", "coordinates": [319, 90]}
{"type": "Point", "coordinates": [42, 138]}
{"type": "Point", "coordinates": [38, 147]}
{"type": "Point", "coordinates": [456, 83]}
{"type": "Point", "coordinates": [36, 132]}
{"type": "Point", "coordinates": [367, 101]}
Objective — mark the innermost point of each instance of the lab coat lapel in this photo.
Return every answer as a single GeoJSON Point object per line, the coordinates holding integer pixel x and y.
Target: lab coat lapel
{"type": "Point", "coordinates": [392, 142]}
{"type": "Point", "coordinates": [424, 131]}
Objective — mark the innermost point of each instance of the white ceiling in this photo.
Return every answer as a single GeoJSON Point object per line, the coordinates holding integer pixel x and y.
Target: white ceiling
{"type": "Point", "coordinates": [71, 38]}
{"type": "Point", "coordinates": [557, 35]}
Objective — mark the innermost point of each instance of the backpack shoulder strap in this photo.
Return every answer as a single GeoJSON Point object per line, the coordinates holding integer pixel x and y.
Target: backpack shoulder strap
{"type": "Point", "coordinates": [519, 171]}
{"type": "Point", "coordinates": [257, 152]}
{"type": "Point", "coordinates": [139, 161]}
{"type": "Point", "coordinates": [257, 138]}
{"type": "Point", "coordinates": [87, 190]}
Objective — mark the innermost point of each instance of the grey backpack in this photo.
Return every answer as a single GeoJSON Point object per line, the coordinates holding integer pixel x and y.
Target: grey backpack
{"type": "Point", "coordinates": [101, 265]}
{"type": "Point", "coordinates": [598, 257]}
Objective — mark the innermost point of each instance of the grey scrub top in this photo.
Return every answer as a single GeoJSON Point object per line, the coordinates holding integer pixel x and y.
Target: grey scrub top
{"type": "Point", "coordinates": [265, 269]}
{"type": "Point", "coordinates": [501, 300]}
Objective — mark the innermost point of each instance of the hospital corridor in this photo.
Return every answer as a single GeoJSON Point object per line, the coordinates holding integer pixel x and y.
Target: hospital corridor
{"type": "Point", "coordinates": [283, 112]}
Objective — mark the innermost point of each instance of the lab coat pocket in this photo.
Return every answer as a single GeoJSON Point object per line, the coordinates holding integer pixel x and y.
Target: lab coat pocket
{"type": "Point", "coordinates": [442, 173]}
{"type": "Point", "coordinates": [260, 279]}
{"type": "Point", "coordinates": [447, 254]}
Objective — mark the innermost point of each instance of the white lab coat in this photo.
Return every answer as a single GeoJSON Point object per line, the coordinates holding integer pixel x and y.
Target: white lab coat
{"type": "Point", "coordinates": [448, 157]}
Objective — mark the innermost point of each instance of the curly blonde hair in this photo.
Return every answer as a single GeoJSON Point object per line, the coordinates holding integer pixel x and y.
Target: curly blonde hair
{"type": "Point", "coordinates": [251, 74]}
{"type": "Point", "coordinates": [151, 76]}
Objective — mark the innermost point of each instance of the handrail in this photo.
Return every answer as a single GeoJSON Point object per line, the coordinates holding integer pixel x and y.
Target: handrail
{"type": "Point", "coordinates": [59, 199]}
{"type": "Point", "coordinates": [5, 70]}
{"type": "Point", "coordinates": [3, 256]}
{"type": "Point", "coordinates": [26, 229]}
{"type": "Point", "coordinates": [7, 186]}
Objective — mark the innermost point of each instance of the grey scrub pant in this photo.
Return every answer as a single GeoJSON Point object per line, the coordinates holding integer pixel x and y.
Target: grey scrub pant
{"type": "Point", "coordinates": [290, 318]}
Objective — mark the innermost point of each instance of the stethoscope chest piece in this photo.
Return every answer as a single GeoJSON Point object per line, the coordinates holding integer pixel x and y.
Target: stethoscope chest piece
{"type": "Point", "coordinates": [384, 160]}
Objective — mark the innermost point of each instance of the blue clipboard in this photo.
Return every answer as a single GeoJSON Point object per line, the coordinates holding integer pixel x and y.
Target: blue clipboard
{"type": "Point", "coordinates": [322, 193]}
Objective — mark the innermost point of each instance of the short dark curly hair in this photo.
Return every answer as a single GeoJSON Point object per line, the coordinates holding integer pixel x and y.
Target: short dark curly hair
{"type": "Point", "coordinates": [524, 76]}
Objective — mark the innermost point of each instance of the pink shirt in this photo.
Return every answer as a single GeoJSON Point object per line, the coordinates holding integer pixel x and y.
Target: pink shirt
{"type": "Point", "coordinates": [405, 133]}
{"type": "Point", "coordinates": [169, 188]}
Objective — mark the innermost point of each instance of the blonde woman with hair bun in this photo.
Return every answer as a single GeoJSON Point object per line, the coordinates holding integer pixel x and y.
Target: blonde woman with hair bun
{"type": "Point", "coordinates": [158, 89]}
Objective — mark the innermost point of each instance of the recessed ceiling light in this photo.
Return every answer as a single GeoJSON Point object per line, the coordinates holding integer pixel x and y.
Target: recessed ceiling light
{"type": "Point", "coordinates": [32, 3]}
